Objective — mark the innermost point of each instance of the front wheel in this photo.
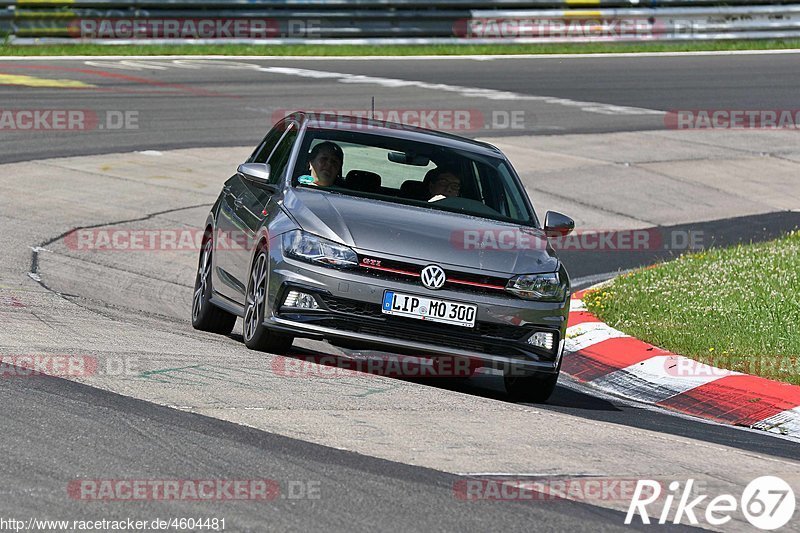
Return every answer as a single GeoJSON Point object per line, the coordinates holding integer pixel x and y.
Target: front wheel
{"type": "Point", "coordinates": [535, 388]}
{"type": "Point", "coordinates": [256, 336]}
{"type": "Point", "coordinates": [205, 315]}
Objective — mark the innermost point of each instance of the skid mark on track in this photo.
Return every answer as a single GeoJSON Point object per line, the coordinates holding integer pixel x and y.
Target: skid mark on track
{"type": "Point", "coordinates": [168, 375]}
{"type": "Point", "coordinates": [203, 375]}
{"type": "Point", "coordinates": [370, 392]}
{"type": "Point", "coordinates": [197, 375]}
{"type": "Point", "coordinates": [34, 271]}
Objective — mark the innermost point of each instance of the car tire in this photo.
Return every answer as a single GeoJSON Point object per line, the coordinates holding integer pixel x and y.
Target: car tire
{"type": "Point", "coordinates": [205, 315]}
{"type": "Point", "coordinates": [535, 388]}
{"type": "Point", "coordinates": [256, 336]}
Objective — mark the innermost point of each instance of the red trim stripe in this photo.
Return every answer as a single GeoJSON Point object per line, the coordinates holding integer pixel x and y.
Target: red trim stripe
{"type": "Point", "coordinates": [449, 280]}
{"type": "Point", "coordinates": [477, 284]}
{"type": "Point", "coordinates": [394, 270]}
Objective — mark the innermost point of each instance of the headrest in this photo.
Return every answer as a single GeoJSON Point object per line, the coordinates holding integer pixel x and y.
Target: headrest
{"type": "Point", "coordinates": [363, 180]}
{"type": "Point", "coordinates": [415, 190]}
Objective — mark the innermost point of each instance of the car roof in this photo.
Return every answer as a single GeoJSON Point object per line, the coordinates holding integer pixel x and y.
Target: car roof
{"type": "Point", "coordinates": [329, 121]}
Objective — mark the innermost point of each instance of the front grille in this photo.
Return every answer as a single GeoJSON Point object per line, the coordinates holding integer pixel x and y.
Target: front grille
{"type": "Point", "coordinates": [482, 329]}
{"type": "Point", "coordinates": [419, 333]}
{"type": "Point", "coordinates": [456, 280]}
{"type": "Point", "coordinates": [351, 307]}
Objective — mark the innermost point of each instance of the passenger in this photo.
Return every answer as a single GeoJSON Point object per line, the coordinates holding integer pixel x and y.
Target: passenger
{"type": "Point", "coordinates": [325, 161]}
{"type": "Point", "coordinates": [442, 182]}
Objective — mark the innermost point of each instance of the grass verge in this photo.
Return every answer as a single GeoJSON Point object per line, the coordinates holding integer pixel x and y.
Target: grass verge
{"type": "Point", "coordinates": [390, 50]}
{"type": "Point", "coordinates": [736, 308]}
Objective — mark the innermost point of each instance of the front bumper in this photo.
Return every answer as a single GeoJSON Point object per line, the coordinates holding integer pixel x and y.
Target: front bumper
{"type": "Point", "coordinates": [350, 302]}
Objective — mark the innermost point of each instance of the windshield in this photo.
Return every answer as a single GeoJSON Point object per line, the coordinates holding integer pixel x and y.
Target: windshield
{"type": "Point", "coordinates": [410, 172]}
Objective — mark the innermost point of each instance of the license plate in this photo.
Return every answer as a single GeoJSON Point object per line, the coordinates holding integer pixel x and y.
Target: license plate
{"type": "Point", "coordinates": [432, 309]}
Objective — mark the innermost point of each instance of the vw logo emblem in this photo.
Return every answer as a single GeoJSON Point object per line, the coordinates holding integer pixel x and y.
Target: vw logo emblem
{"type": "Point", "coordinates": [433, 277]}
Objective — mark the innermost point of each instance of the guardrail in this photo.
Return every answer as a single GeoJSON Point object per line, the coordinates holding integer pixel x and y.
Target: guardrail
{"type": "Point", "coordinates": [337, 4]}
{"type": "Point", "coordinates": [395, 21]}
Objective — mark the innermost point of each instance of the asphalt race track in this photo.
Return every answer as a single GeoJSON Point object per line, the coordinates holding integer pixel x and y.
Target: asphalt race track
{"type": "Point", "coordinates": [357, 451]}
{"type": "Point", "coordinates": [211, 103]}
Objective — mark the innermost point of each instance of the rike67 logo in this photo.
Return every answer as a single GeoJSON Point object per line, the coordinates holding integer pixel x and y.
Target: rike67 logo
{"type": "Point", "coordinates": [768, 503]}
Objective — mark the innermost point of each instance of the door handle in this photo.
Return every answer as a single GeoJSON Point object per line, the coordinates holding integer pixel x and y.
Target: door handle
{"type": "Point", "coordinates": [238, 203]}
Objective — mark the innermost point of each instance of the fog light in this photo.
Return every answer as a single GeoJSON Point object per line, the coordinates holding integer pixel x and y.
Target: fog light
{"type": "Point", "coordinates": [300, 300]}
{"type": "Point", "coordinates": [542, 339]}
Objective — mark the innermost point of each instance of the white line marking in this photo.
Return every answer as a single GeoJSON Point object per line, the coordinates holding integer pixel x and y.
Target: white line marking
{"type": "Point", "coordinates": [122, 65]}
{"type": "Point", "coordinates": [146, 64]}
{"type": "Point", "coordinates": [477, 57]}
{"type": "Point", "coordinates": [469, 92]}
{"type": "Point", "coordinates": [577, 305]}
{"type": "Point", "coordinates": [588, 334]}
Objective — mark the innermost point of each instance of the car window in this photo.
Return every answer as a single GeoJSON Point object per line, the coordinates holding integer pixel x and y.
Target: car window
{"type": "Point", "coordinates": [280, 156]}
{"type": "Point", "coordinates": [402, 171]}
{"type": "Point", "coordinates": [376, 159]}
{"type": "Point", "coordinates": [265, 149]}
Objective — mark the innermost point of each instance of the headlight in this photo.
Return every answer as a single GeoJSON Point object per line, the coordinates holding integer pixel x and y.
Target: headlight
{"type": "Point", "coordinates": [307, 247]}
{"type": "Point", "coordinates": [542, 287]}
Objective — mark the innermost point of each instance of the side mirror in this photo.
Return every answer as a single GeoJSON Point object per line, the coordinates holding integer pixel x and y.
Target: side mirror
{"type": "Point", "coordinates": [558, 225]}
{"type": "Point", "coordinates": [258, 172]}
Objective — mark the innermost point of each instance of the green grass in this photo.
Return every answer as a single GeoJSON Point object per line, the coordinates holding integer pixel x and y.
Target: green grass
{"type": "Point", "coordinates": [393, 50]}
{"type": "Point", "coordinates": [736, 308]}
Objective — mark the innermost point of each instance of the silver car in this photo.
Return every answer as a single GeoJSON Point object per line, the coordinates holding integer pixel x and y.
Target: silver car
{"type": "Point", "coordinates": [353, 230]}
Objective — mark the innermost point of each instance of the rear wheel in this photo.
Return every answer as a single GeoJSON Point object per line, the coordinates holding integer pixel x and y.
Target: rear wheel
{"type": "Point", "coordinates": [205, 315]}
{"type": "Point", "coordinates": [256, 336]}
{"type": "Point", "coordinates": [535, 388]}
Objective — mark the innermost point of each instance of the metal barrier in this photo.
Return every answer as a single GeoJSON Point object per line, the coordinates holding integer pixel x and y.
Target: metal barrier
{"type": "Point", "coordinates": [336, 4]}
{"type": "Point", "coordinates": [395, 21]}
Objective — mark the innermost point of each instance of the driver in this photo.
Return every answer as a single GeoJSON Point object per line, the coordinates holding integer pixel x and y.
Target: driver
{"type": "Point", "coordinates": [442, 182]}
{"type": "Point", "coordinates": [326, 160]}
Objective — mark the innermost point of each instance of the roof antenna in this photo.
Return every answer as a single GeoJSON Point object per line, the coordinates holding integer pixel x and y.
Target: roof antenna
{"type": "Point", "coordinates": [372, 112]}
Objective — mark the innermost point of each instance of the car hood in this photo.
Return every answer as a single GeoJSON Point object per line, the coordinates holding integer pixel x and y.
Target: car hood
{"type": "Point", "coordinates": [403, 231]}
